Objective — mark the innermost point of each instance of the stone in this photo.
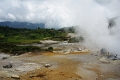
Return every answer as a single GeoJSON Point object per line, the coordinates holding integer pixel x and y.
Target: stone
{"type": "Point", "coordinates": [15, 76]}
{"type": "Point", "coordinates": [47, 65]}
{"type": "Point", "coordinates": [104, 60]}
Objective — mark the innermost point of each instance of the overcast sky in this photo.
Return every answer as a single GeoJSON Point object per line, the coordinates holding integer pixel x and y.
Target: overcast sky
{"type": "Point", "coordinates": [90, 17]}
{"type": "Point", "coordinates": [56, 13]}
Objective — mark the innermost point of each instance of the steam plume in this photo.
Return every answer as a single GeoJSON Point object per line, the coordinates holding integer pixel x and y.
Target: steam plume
{"type": "Point", "coordinates": [90, 16]}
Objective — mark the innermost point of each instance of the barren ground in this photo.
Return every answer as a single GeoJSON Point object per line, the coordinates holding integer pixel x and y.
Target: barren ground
{"type": "Point", "coordinates": [80, 66]}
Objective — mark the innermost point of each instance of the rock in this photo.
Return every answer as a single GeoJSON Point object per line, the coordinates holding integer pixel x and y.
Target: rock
{"type": "Point", "coordinates": [4, 58]}
{"type": "Point", "coordinates": [31, 76]}
{"type": "Point", "coordinates": [15, 76]}
{"type": "Point", "coordinates": [79, 49]}
{"type": "Point", "coordinates": [104, 60]}
{"type": "Point", "coordinates": [85, 50]}
{"type": "Point", "coordinates": [8, 66]}
{"type": "Point", "coordinates": [47, 65]}
{"type": "Point", "coordinates": [67, 52]}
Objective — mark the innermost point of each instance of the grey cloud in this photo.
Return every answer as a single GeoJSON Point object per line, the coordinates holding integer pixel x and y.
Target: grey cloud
{"type": "Point", "coordinates": [90, 16]}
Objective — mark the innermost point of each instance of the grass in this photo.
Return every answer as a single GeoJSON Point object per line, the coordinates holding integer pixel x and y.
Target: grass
{"type": "Point", "coordinates": [22, 41]}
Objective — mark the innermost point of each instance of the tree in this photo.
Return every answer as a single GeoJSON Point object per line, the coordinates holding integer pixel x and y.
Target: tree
{"type": "Point", "coordinates": [33, 36]}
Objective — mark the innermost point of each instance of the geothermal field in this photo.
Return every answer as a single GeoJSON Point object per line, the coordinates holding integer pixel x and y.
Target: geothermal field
{"type": "Point", "coordinates": [69, 61]}
{"type": "Point", "coordinates": [59, 39]}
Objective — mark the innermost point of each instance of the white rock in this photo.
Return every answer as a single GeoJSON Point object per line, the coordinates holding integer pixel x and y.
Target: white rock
{"type": "Point", "coordinates": [15, 76]}
{"type": "Point", "coordinates": [47, 65]}
{"type": "Point", "coordinates": [104, 59]}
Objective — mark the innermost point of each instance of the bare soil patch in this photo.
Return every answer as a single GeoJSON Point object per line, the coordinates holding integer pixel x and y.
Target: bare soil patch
{"type": "Point", "coordinates": [80, 66]}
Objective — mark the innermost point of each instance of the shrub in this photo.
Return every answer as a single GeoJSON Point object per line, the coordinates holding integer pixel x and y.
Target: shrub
{"type": "Point", "coordinates": [13, 49]}
{"type": "Point", "coordinates": [76, 39]}
{"type": "Point", "coordinates": [50, 48]}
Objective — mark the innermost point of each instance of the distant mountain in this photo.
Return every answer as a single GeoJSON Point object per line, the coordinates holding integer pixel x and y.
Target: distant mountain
{"type": "Point", "coordinates": [22, 24]}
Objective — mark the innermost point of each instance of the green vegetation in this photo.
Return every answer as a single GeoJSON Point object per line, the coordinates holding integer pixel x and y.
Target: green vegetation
{"type": "Point", "coordinates": [25, 36]}
{"type": "Point", "coordinates": [76, 39]}
{"type": "Point", "coordinates": [11, 37]}
{"type": "Point", "coordinates": [69, 29]}
{"type": "Point", "coordinates": [13, 49]}
{"type": "Point", "coordinates": [50, 49]}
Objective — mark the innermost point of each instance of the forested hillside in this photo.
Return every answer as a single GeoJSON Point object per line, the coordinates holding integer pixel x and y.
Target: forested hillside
{"type": "Point", "coordinates": [16, 24]}
{"type": "Point", "coordinates": [23, 35]}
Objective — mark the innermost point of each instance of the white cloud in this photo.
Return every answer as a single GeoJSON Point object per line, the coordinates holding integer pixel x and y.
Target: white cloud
{"type": "Point", "coordinates": [10, 17]}
{"type": "Point", "coordinates": [89, 15]}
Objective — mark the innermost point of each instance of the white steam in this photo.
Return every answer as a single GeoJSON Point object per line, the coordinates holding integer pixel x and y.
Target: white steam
{"type": "Point", "coordinates": [90, 17]}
